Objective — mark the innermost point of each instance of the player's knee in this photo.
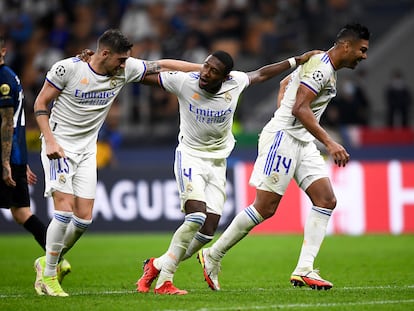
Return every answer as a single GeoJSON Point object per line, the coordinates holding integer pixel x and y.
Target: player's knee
{"type": "Point", "coordinates": [20, 215]}
{"type": "Point", "coordinates": [210, 225]}
{"type": "Point", "coordinates": [329, 203]}
{"type": "Point", "coordinates": [266, 210]}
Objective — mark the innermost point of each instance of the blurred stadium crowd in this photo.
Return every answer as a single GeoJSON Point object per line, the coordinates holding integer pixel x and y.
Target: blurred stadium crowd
{"type": "Point", "coordinates": [255, 32]}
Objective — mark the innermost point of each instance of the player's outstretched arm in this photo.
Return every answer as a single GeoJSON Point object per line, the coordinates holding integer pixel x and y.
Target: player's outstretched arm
{"type": "Point", "coordinates": [153, 67]}
{"type": "Point", "coordinates": [171, 65]}
{"type": "Point", "coordinates": [269, 71]}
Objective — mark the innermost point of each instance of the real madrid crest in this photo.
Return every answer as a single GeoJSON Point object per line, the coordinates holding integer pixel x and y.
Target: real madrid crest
{"type": "Point", "coordinates": [62, 179]}
{"type": "Point", "coordinates": [227, 97]}
{"type": "Point", "coordinates": [113, 82]}
{"type": "Point", "coordinates": [274, 177]}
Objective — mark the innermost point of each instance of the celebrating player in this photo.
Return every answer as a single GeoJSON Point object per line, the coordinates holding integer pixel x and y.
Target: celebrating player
{"type": "Point", "coordinates": [207, 103]}
{"type": "Point", "coordinates": [286, 150]}
{"type": "Point", "coordinates": [82, 94]}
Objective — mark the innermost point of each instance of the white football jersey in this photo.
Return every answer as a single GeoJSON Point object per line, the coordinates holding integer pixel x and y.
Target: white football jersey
{"type": "Point", "coordinates": [85, 99]}
{"type": "Point", "coordinates": [206, 119]}
{"type": "Point", "coordinates": [319, 75]}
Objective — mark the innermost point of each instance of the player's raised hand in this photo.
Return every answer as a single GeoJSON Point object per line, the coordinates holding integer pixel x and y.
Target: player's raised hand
{"type": "Point", "coordinates": [85, 55]}
{"type": "Point", "coordinates": [305, 56]}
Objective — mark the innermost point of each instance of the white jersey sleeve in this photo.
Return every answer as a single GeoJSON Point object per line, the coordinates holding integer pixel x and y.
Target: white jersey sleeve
{"type": "Point", "coordinates": [135, 69]}
{"type": "Point", "coordinates": [319, 75]}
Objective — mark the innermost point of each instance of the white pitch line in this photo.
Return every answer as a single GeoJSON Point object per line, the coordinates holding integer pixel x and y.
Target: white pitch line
{"type": "Point", "coordinates": [121, 292]}
{"type": "Point", "coordinates": [301, 305]}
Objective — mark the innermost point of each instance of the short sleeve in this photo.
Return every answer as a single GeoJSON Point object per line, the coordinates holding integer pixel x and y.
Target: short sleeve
{"type": "Point", "coordinates": [60, 72]}
{"type": "Point", "coordinates": [241, 77]}
{"type": "Point", "coordinates": [135, 69]}
{"type": "Point", "coordinates": [172, 81]}
{"type": "Point", "coordinates": [315, 75]}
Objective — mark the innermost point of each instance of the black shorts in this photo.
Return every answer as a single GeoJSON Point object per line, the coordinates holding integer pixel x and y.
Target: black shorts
{"type": "Point", "coordinates": [15, 196]}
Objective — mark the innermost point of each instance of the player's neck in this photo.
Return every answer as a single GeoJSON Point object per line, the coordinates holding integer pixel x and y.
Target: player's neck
{"type": "Point", "coordinates": [97, 66]}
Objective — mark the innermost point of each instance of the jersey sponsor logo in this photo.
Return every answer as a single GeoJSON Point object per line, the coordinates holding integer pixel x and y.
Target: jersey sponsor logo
{"type": "Point", "coordinates": [84, 81]}
{"type": "Point", "coordinates": [60, 71]}
{"type": "Point", "coordinates": [94, 98]}
{"type": "Point", "coordinates": [210, 115]}
{"type": "Point", "coordinates": [5, 89]}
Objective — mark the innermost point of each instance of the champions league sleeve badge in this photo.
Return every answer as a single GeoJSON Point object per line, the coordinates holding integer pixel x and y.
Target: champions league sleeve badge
{"type": "Point", "coordinates": [60, 71]}
{"type": "Point", "coordinates": [317, 76]}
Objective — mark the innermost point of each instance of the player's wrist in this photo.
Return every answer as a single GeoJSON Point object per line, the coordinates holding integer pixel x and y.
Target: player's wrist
{"type": "Point", "coordinates": [292, 62]}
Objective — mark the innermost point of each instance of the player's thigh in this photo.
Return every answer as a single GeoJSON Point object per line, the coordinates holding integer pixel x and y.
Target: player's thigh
{"type": "Point", "coordinates": [58, 173]}
{"type": "Point", "coordinates": [276, 162]}
{"type": "Point", "coordinates": [190, 175]}
{"type": "Point", "coordinates": [311, 166]}
{"type": "Point", "coordinates": [85, 180]}
{"type": "Point", "coordinates": [215, 192]}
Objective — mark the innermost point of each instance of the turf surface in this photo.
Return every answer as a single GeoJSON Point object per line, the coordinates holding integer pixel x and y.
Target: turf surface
{"type": "Point", "coordinates": [369, 273]}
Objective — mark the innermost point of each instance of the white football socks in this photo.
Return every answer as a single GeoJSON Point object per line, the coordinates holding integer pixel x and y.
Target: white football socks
{"type": "Point", "coordinates": [178, 246]}
{"type": "Point", "coordinates": [241, 225]}
{"type": "Point", "coordinates": [54, 240]}
{"type": "Point", "coordinates": [196, 244]}
{"type": "Point", "coordinates": [74, 231]}
{"type": "Point", "coordinates": [314, 233]}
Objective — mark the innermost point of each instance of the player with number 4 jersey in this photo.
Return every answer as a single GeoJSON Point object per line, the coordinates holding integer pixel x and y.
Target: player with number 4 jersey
{"type": "Point", "coordinates": [207, 103]}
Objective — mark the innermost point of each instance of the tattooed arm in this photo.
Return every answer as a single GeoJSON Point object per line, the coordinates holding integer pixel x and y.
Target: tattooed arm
{"type": "Point", "coordinates": [154, 67]}
{"type": "Point", "coordinates": [6, 144]}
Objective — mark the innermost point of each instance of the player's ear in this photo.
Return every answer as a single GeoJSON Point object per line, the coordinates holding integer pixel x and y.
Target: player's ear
{"type": "Point", "coordinates": [105, 52]}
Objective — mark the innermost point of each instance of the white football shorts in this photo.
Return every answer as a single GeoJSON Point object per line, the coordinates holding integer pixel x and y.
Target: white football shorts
{"type": "Point", "coordinates": [281, 157]}
{"type": "Point", "coordinates": [201, 179]}
{"type": "Point", "coordinates": [75, 174]}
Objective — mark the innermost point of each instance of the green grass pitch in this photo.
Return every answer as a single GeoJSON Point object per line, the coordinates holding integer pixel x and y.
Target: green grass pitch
{"type": "Point", "coordinates": [373, 272]}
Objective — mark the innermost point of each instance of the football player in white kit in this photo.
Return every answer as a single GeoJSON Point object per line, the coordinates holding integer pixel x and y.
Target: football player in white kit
{"type": "Point", "coordinates": [207, 103]}
{"type": "Point", "coordinates": [82, 94]}
{"type": "Point", "coordinates": [286, 150]}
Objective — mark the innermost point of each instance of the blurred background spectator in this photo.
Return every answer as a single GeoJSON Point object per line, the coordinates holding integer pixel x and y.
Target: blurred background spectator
{"type": "Point", "coordinates": [255, 32]}
{"type": "Point", "coordinates": [398, 99]}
